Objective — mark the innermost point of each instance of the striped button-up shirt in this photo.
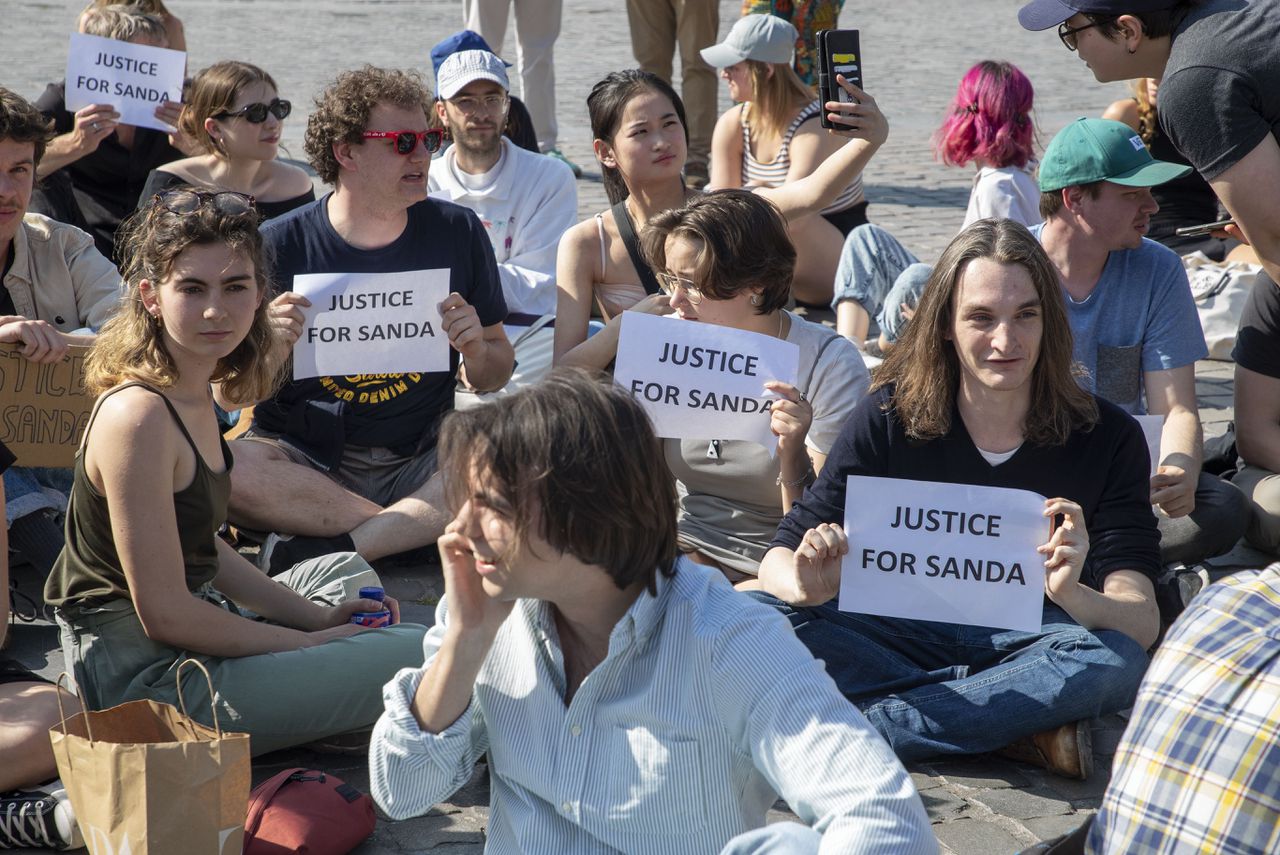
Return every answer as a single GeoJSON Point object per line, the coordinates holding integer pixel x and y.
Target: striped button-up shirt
{"type": "Point", "coordinates": [704, 708]}
{"type": "Point", "coordinates": [1198, 769]}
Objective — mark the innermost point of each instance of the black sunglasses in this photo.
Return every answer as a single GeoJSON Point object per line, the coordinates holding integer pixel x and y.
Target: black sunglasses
{"type": "Point", "coordinates": [257, 113]}
{"type": "Point", "coordinates": [189, 201]}
{"type": "Point", "coordinates": [407, 141]}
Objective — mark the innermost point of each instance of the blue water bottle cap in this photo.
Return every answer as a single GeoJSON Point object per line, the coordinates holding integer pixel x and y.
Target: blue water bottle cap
{"type": "Point", "coordinates": [372, 593]}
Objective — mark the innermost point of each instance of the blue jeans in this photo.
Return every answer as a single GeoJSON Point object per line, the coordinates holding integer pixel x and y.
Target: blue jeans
{"type": "Point", "coordinates": [881, 275]}
{"type": "Point", "coordinates": [28, 489]}
{"type": "Point", "coordinates": [939, 688]}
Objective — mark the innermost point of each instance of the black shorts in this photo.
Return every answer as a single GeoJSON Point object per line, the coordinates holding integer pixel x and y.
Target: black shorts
{"type": "Point", "coordinates": [12, 671]}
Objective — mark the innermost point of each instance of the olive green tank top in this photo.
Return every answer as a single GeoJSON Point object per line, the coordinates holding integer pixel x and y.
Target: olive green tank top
{"type": "Point", "coordinates": [88, 571]}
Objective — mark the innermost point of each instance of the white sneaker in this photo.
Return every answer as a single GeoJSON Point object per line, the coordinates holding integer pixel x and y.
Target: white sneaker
{"type": "Point", "coordinates": [39, 817]}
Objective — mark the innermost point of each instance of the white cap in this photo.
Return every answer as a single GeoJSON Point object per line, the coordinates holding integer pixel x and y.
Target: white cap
{"type": "Point", "coordinates": [764, 38]}
{"type": "Point", "coordinates": [468, 66]}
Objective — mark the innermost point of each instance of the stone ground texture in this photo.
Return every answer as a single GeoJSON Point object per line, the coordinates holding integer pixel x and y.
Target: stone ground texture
{"type": "Point", "coordinates": [915, 52]}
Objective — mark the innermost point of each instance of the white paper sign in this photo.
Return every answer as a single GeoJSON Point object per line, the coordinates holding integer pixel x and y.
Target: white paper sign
{"type": "Point", "coordinates": [701, 381]}
{"type": "Point", "coordinates": [1152, 428]}
{"type": "Point", "coordinates": [955, 553]}
{"type": "Point", "coordinates": [134, 79]}
{"type": "Point", "coordinates": [371, 323]}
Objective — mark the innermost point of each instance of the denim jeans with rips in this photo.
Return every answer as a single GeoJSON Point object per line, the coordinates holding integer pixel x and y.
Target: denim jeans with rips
{"type": "Point", "coordinates": [881, 275]}
{"type": "Point", "coordinates": [938, 688]}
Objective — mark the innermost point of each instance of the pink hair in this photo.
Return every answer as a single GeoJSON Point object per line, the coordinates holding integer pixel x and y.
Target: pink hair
{"type": "Point", "coordinates": [990, 118]}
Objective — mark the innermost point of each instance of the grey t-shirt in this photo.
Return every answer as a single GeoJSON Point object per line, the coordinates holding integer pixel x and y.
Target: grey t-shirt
{"type": "Point", "coordinates": [730, 504]}
{"type": "Point", "coordinates": [1220, 95]}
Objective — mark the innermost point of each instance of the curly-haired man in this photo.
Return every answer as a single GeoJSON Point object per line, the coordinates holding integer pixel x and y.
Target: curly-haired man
{"type": "Point", "coordinates": [329, 464]}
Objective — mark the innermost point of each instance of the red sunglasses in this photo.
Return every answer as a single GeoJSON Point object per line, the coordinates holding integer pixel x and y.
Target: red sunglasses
{"type": "Point", "coordinates": [407, 141]}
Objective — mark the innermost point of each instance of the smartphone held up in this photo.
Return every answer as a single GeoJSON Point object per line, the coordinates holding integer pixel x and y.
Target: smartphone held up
{"type": "Point", "coordinates": [839, 53]}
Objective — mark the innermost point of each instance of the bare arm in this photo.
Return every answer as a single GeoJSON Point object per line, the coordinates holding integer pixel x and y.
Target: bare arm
{"type": "Point", "coordinates": [868, 130]}
{"type": "Point", "coordinates": [577, 271]}
{"type": "Point", "coordinates": [726, 150]}
{"type": "Point", "coordinates": [488, 363]}
{"type": "Point", "coordinates": [1257, 399]}
{"type": "Point", "coordinates": [1125, 110]}
{"type": "Point", "coordinates": [93, 124]}
{"type": "Point", "coordinates": [1248, 190]}
{"type": "Point", "coordinates": [810, 146]}
{"type": "Point", "coordinates": [1172, 394]}
{"type": "Point", "coordinates": [602, 348]}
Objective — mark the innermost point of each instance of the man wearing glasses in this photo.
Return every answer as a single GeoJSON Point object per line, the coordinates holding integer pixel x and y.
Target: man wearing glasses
{"type": "Point", "coordinates": [348, 463]}
{"type": "Point", "coordinates": [1217, 62]}
{"type": "Point", "coordinates": [524, 201]}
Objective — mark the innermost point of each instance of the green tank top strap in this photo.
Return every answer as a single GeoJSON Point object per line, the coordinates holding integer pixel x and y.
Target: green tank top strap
{"type": "Point", "coordinates": [169, 404]}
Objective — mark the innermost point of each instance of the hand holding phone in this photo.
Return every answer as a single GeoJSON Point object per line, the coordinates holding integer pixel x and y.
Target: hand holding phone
{"type": "Point", "coordinates": [1203, 228]}
{"type": "Point", "coordinates": [839, 52]}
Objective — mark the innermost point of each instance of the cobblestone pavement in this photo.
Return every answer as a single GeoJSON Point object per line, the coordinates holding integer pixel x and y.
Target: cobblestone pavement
{"type": "Point", "coordinates": [915, 51]}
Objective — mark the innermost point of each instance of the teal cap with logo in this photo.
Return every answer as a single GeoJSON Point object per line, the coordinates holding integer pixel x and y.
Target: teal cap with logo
{"type": "Point", "coordinates": [1089, 150]}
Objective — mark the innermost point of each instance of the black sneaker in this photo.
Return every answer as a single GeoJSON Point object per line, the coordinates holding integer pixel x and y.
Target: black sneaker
{"type": "Point", "coordinates": [282, 552]}
{"type": "Point", "coordinates": [41, 817]}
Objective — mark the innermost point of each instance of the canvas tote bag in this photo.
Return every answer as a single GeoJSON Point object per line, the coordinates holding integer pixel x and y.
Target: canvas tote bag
{"type": "Point", "coordinates": [144, 779]}
{"type": "Point", "coordinates": [1220, 292]}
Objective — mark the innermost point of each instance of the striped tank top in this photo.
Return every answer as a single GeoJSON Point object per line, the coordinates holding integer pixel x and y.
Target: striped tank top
{"type": "Point", "coordinates": [775, 174]}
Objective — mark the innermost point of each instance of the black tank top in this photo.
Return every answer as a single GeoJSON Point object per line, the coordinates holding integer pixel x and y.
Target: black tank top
{"type": "Point", "coordinates": [88, 570]}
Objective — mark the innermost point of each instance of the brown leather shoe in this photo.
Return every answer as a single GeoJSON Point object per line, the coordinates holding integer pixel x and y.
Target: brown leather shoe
{"type": "Point", "coordinates": [1066, 750]}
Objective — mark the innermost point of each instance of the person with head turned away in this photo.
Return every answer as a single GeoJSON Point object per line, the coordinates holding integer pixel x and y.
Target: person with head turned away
{"type": "Point", "coordinates": [627, 699]}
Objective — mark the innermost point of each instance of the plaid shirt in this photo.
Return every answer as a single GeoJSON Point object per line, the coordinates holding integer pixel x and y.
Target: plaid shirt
{"type": "Point", "coordinates": [1198, 769]}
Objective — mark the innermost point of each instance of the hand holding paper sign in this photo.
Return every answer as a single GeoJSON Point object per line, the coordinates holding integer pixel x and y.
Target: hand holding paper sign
{"type": "Point", "coordinates": [41, 341]}
{"type": "Point", "coordinates": [462, 324]}
{"type": "Point", "coordinates": [93, 124]}
{"type": "Point", "coordinates": [816, 566]}
{"type": "Point", "coordinates": [1067, 549]}
{"type": "Point", "coordinates": [287, 317]}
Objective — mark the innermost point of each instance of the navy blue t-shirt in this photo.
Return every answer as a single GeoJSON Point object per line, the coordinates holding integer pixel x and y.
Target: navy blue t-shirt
{"type": "Point", "coordinates": [1104, 470]}
{"type": "Point", "coordinates": [321, 415]}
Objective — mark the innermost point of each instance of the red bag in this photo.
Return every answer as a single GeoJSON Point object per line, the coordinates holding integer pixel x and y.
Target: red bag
{"type": "Point", "coordinates": [309, 812]}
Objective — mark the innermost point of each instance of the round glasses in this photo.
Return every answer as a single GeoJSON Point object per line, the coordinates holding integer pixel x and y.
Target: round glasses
{"type": "Point", "coordinates": [257, 113]}
{"type": "Point", "coordinates": [407, 141]}
{"type": "Point", "coordinates": [669, 283]}
{"type": "Point", "coordinates": [189, 201]}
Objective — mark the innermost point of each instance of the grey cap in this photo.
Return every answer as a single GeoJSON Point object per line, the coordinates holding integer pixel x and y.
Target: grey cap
{"type": "Point", "coordinates": [468, 66]}
{"type": "Point", "coordinates": [764, 38]}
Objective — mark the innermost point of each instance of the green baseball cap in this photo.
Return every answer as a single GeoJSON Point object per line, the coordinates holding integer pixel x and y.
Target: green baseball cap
{"type": "Point", "coordinates": [1089, 150]}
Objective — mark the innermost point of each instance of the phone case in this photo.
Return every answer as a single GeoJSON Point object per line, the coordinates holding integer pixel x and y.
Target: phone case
{"type": "Point", "coordinates": [839, 52]}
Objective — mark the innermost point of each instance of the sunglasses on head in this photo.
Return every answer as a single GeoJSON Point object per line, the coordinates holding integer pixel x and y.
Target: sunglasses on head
{"type": "Point", "coordinates": [407, 141]}
{"type": "Point", "coordinates": [189, 201]}
{"type": "Point", "coordinates": [257, 113]}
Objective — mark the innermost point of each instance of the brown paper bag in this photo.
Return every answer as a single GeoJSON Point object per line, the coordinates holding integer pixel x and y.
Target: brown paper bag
{"type": "Point", "coordinates": [144, 778]}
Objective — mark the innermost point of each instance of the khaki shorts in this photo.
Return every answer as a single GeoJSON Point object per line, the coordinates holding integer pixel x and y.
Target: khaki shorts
{"type": "Point", "coordinates": [378, 474]}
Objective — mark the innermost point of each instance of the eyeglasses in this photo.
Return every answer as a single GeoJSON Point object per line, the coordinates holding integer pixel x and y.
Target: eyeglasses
{"type": "Point", "coordinates": [407, 141]}
{"type": "Point", "coordinates": [189, 201]}
{"type": "Point", "coordinates": [1068, 34]}
{"type": "Point", "coordinates": [257, 113]}
{"type": "Point", "coordinates": [488, 103]}
{"type": "Point", "coordinates": [669, 284]}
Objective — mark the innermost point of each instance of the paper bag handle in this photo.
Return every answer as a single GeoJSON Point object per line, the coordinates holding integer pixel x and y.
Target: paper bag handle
{"type": "Point", "coordinates": [182, 702]}
{"type": "Point", "coordinates": [62, 714]}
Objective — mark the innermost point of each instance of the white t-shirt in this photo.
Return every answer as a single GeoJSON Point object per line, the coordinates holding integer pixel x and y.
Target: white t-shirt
{"type": "Point", "coordinates": [1008, 192]}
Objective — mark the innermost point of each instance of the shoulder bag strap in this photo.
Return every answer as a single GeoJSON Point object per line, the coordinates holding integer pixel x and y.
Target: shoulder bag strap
{"type": "Point", "coordinates": [627, 229]}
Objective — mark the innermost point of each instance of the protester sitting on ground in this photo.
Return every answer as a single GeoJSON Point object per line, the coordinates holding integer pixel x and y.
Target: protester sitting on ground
{"type": "Point", "coordinates": [573, 647]}
{"type": "Point", "coordinates": [980, 391]}
{"type": "Point", "coordinates": [95, 168]}
{"type": "Point", "coordinates": [234, 113]}
{"type": "Point", "coordinates": [524, 200]}
{"type": "Point", "coordinates": [34, 809]}
{"type": "Point", "coordinates": [145, 581]}
{"type": "Point", "coordinates": [772, 135]}
{"type": "Point", "coordinates": [988, 123]}
{"type": "Point", "coordinates": [725, 259]}
{"type": "Point", "coordinates": [55, 289]}
{"type": "Point", "coordinates": [1134, 322]}
{"type": "Point", "coordinates": [639, 129]}
{"type": "Point", "coordinates": [347, 462]}
{"type": "Point", "coordinates": [1216, 61]}
{"type": "Point", "coordinates": [175, 33]}
{"type": "Point", "coordinates": [1185, 201]}
{"type": "Point", "coordinates": [1257, 413]}
{"type": "Point", "coordinates": [519, 127]}
{"type": "Point", "coordinates": [1198, 767]}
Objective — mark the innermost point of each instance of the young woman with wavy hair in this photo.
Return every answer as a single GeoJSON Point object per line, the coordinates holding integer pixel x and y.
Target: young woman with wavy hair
{"type": "Point", "coordinates": [145, 581]}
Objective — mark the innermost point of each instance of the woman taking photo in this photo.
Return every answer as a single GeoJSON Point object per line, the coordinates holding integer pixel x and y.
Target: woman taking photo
{"type": "Point", "coordinates": [235, 116]}
{"type": "Point", "coordinates": [144, 581]}
{"type": "Point", "coordinates": [772, 135]}
{"type": "Point", "coordinates": [980, 390]}
{"type": "Point", "coordinates": [725, 259]}
{"type": "Point", "coordinates": [640, 141]}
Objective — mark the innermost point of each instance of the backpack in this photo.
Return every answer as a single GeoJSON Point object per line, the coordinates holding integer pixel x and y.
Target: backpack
{"type": "Point", "coordinates": [309, 812]}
